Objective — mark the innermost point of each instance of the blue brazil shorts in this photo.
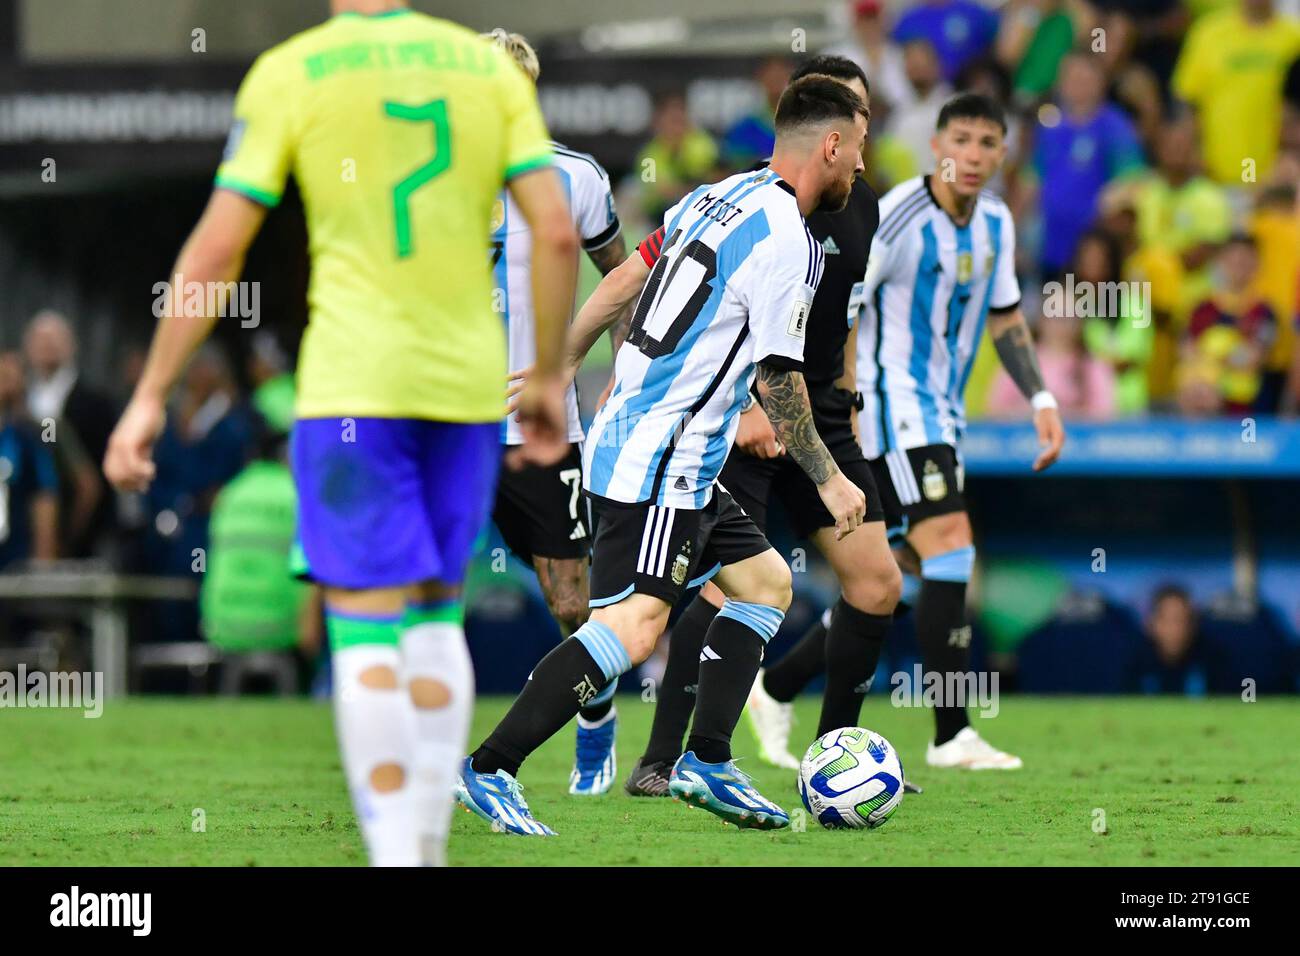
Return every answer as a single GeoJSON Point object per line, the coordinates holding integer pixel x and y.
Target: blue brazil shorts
{"type": "Point", "coordinates": [386, 502]}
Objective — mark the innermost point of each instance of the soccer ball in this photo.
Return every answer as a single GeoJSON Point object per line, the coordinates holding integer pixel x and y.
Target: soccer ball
{"type": "Point", "coordinates": [851, 777]}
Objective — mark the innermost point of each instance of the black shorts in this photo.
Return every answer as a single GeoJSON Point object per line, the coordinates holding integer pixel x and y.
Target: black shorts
{"type": "Point", "coordinates": [752, 481]}
{"type": "Point", "coordinates": [919, 483]}
{"type": "Point", "coordinates": [540, 511]}
{"type": "Point", "coordinates": [662, 551]}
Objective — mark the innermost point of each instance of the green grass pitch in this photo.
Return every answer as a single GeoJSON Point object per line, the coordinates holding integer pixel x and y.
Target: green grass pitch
{"type": "Point", "coordinates": [257, 782]}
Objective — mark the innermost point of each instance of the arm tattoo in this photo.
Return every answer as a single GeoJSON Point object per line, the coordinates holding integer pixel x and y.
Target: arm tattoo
{"type": "Point", "coordinates": [608, 258]}
{"type": "Point", "coordinates": [785, 400]}
{"type": "Point", "coordinates": [1016, 350]}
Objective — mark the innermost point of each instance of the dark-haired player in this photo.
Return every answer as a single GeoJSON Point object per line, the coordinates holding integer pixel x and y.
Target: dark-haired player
{"type": "Point", "coordinates": [727, 298]}
{"type": "Point", "coordinates": [942, 264]}
{"type": "Point", "coordinates": [538, 508]}
{"type": "Point", "coordinates": [759, 468]}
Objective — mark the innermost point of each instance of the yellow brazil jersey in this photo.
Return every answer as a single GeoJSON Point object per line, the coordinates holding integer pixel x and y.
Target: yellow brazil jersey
{"type": "Point", "coordinates": [1232, 70]}
{"type": "Point", "coordinates": [400, 130]}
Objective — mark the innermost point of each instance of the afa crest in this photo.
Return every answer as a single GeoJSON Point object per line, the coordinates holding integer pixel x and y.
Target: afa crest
{"type": "Point", "coordinates": [933, 484]}
{"type": "Point", "coordinates": [965, 267]}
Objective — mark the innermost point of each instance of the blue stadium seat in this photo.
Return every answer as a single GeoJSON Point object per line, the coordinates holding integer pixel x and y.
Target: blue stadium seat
{"type": "Point", "coordinates": [1244, 640]}
{"type": "Point", "coordinates": [1088, 647]}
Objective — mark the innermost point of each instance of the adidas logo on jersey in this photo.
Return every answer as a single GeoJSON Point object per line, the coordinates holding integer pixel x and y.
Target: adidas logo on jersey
{"type": "Point", "coordinates": [681, 484]}
{"type": "Point", "coordinates": [828, 244]}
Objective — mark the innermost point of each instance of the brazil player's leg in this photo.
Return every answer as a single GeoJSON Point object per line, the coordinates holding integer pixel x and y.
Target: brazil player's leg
{"type": "Point", "coordinates": [635, 588]}
{"type": "Point", "coordinates": [543, 519]}
{"type": "Point", "coordinates": [390, 510]}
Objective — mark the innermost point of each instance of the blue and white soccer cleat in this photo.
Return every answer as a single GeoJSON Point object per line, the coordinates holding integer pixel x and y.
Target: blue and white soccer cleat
{"type": "Point", "coordinates": [499, 799]}
{"type": "Point", "coordinates": [594, 764]}
{"type": "Point", "coordinates": [725, 791]}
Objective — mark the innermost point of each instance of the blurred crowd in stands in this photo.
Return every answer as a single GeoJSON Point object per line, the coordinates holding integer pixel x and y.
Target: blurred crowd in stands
{"type": "Point", "coordinates": [1153, 160]}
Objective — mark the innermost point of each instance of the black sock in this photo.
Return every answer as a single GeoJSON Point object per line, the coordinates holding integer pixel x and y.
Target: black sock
{"type": "Point", "coordinates": [596, 711]}
{"type": "Point", "coordinates": [731, 657]}
{"type": "Point", "coordinates": [676, 695]}
{"type": "Point", "coordinates": [853, 646]}
{"type": "Point", "coordinates": [944, 637]}
{"type": "Point", "coordinates": [560, 682]}
{"type": "Point", "coordinates": [785, 679]}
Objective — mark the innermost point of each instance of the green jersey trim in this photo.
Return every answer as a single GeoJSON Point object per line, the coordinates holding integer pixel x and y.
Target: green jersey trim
{"type": "Point", "coordinates": [267, 199]}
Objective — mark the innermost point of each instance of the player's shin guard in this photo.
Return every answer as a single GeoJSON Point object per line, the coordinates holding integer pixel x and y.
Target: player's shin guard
{"type": "Point", "coordinates": [569, 677]}
{"type": "Point", "coordinates": [853, 646]}
{"type": "Point", "coordinates": [732, 653]}
{"type": "Point", "coordinates": [440, 685]}
{"type": "Point", "coordinates": [787, 678]}
{"type": "Point", "coordinates": [372, 718]}
{"type": "Point", "coordinates": [942, 631]}
{"type": "Point", "coordinates": [676, 695]}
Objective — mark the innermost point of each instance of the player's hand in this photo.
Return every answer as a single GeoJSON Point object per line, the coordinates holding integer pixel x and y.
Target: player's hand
{"type": "Point", "coordinates": [128, 460]}
{"type": "Point", "coordinates": [756, 436]}
{"type": "Point", "coordinates": [845, 501]}
{"type": "Point", "coordinates": [1051, 437]}
{"type": "Point", "coordinates": [543, 419]}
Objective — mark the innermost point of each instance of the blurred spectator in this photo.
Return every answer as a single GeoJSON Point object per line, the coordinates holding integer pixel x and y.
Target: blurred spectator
{"type": "Point", "coordinates": [1229, 335]}
{"type": "Point", "coordinates": [29, 485]}
{"type": "Point", "coordinates": [750, 139]}
{"type": "Point", "coordinates": [880, 58]}
{"type": "Point", "coordinates": [676, 160]}
{"type": "Point", "coordinates": [272, 382]}
{"type": "Point", "coordinates": [1081, 144]}
{"type": "Point", "coordinates": [1084, 386]}
{"type": "Point", "coordinates": [1035, 36]}
{"type": "Point", "coordinates": [958, 30]}
{"type": "Point", "coordinates": [1275, 226]}
{"type": "Point", "coordinates": [1142, 32]}
{"type": "Point", "coordinates": [912, 124]}
{"type": "Point", "coordinates": [1122, 337]}
{"type": "Point", "coordinates": [1180, 210]}
{"type": "Point", "coordinates": [1159, 272]}
{"type": "Point", "coordinates": [888, 159]}
{"type": "Point", "coordinates": [84, 418]}
{"type": "Point", "coordinates": [202, 447]}
{"type": "Point", "coordinates": [1170, 660]}
{"type": "Point", "coordinates": [1231, 70]}
{"type": "Point", "coordinates": [250, 600]}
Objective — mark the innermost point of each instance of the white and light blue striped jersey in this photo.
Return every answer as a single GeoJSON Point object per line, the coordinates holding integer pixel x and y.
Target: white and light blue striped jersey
{"type": "Point", "coordinates": [732, 285]}
{"type": "Point", "coordinates": [929, 286]}
{"type": "Point", "coordinates": [591, 203]}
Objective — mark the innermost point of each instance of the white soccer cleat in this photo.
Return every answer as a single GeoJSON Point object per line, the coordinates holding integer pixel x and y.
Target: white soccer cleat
{"type": "Point", "coordinates": [771, 721]}
{"type": "Point", "coordinates": [969, 751]}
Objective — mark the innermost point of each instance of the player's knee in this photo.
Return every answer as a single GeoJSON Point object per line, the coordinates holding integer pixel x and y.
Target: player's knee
{"type": "Point", "coordinates": [639, 641]}
{"type": "Point", "coordinates": [428, 693]}
{"type": "Point", "coordinates": [877, 590]}
{"type": "Point", "coordinates": [774, 586]}
{"type": "Point", "coordinates": [378, 677]}
{"type": "Point", "coordinates": [387, 777]}
{"type": "Point", "coordinates": [949, 532]}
